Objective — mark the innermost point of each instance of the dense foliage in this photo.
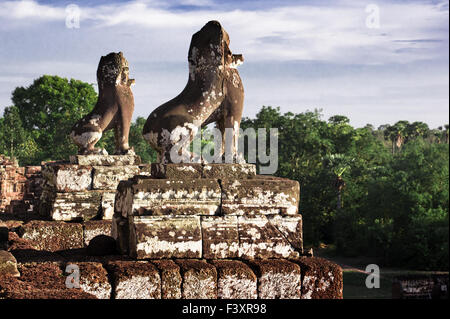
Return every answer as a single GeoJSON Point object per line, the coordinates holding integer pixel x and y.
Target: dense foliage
{"type": "Point", "coordinates": [375, 192]}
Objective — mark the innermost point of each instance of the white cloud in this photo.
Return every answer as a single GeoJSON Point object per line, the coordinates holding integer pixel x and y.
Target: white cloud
{"type": "Point", "coordinates": [30, 9]}
{"type": "Point", "coordinates": [297, 32]}
{"type": "Point", "coordinates": [155, 40]}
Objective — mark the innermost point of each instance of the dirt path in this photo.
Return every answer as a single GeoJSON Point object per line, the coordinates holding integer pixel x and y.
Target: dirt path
{"type": "Point", "coordinates": [347, 264]}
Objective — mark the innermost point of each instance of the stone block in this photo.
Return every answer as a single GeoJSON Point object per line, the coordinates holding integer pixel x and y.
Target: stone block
{"type": "Point", "coordinates": [108, 177]}
{"type": "Point", "coordinates": [170, 278]}
{"type": "Point", "coordinates": [39, 281]}
{"type": "Point", "coordinates": [277, 279]}
{"type": "Point", "coordinates": [235, 280]}
{"type": "Point", "coordinates": [105, 160]}
{"type": "Point", "coordinates": [12, 288]}
{"type": "Point", "coordinates": [93, 278]}
{"type": "Point", "coordinates": [67, 177]}
{"type": "Point", "coordinates": [258, 238]}
{"type": "Point", "coordinates": [134, 280]}
{"type": "Point", "coordinates": [75, 206]}
{"type": "Point", "coordinates": [290, 227]}
{"type": "Point", "coordinates": [220, 237]}
{"type": "Point", "coordinates": [8, 264]}
{"type": "Point", "coordinates": [108, 205]}
{"type": "Point", "coordinates": [321, 279]}
{"type": "Point", "coordinates": [94, 228]}
{"type": "Point", "coordinates": [229, 171]}
{"type": "Point", "coordinates": [260, 196]}
{"type": "Point", "coordinates": [43, 275]}
{"type": "Point", "coordinates": [183, 171]}
{"type": "Point", "coordinates": [145, 196]}
{"type": "Point", "coordinates": [158, 237]}
{"type": "Point", "coordinates": [53, 235]}
{"type": "Point", "coordinates": [199, 279]}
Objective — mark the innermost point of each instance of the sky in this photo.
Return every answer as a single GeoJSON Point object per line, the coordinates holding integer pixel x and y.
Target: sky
{"type": "Point", "coordinates": [376, 61]}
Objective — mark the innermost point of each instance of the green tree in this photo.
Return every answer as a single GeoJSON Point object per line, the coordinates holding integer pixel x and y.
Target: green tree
{"type": "Point", "coordinates": [48, 108]}
{"type": "Point", "coordinates": [15, 141]}
{"type": "Point", "coordinates": [141, 147]}
{"type": "Point", "coordinates": [338, 164]}
{"type": "Point", "coordinates": [397, 134]}
{"type": "Point", "coordinates": [417, 129]}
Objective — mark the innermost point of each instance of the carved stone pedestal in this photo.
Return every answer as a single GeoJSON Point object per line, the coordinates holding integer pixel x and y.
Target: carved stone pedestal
{"type": "Point", "coordinates": [84, 188]}
{"type": "Point", "coordinates": [214, 211]}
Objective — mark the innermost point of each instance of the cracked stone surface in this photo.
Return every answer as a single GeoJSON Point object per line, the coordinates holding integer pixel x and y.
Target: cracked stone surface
{"type": "Point", "coordinates": [290, 227]}
{"type": "Point", "coordinates": [220, 237]}
{"type": "Point", "coordinates": [260, 195]}
{"type": "Point", "coordinates": [147, 196]}
{"type": "Point", "coordinates": [135, 280]}
{"type": "Point", "coordinates": [321, 279]}
{"type": "Point", "coordinates": [53, 236]}
{"type": "Point", "coordinates": [170, 278]}
{"type": "Point", "coordinates": [108, 177]}
{"type": "Point", "coordinates": [93, 279]}
{"type": "Point", "coordinates": [75, 206]}
{"type": "Point", "coordinates": [277, 279]}
{"type": "Point", "coordinates": [235, 280]}
{"type": "Point", "coordinates": [199, 279]}
{"type": "Point", "coordinates": [260, 239]}
{"type": "Point", "coordinates": [165, 237]}
{"type": "Point", "coordinates": [67, 177]}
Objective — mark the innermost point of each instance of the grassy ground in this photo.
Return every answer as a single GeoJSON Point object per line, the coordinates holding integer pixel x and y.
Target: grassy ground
{"type": "Point", "coordinates": [355, 287]}
{"type": "Point", "coordinates": [355, 277]}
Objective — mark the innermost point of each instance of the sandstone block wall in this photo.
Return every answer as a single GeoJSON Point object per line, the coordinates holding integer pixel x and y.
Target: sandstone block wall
{"type": "Point", "coordinates": [167, 279]}
{"type": "Point", "coordinates": [20, 188]}
{"type": "Point", "coordinates": [182, 211]}
{"type": "Point", "coordinates": [197, 231]}
{"type": "Point", "coordinates": [84, 188]}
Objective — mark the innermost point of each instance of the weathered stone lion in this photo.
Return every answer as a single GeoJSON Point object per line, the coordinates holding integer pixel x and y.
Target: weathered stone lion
{"type": "Point", "coordinates": [214, 94]}
{"type": "Point", "coordinates": [114, 108]}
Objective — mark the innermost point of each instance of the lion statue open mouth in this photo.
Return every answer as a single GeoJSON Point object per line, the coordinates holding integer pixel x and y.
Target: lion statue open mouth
{"type": "Point", "coordinates": [214, 94]}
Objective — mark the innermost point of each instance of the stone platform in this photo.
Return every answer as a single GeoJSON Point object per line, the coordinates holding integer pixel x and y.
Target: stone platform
{"type": "Point", "coordinates": [178, 231]}
{"type": "Point", "coordinates": [211, 211]}
{"type": "Point", "coordinates": [84, 188]}
{"type": "Point", "coordinates": [41, 274]}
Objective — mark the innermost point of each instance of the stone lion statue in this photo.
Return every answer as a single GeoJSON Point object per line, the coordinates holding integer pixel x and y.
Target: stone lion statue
{"type": "Point", "coordinates": [213, 94]}
{"type": "Point", "coordinates": [113, 110]}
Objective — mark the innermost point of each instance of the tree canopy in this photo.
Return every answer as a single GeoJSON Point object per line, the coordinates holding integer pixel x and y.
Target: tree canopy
{"type": "Point", "coordinates": [394, 202]}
